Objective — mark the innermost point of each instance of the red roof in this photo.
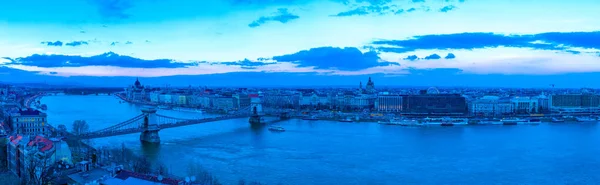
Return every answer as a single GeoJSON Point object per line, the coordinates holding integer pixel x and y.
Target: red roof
{"type": "Point", "coordinates": [15, 139]}
{"type": "Point", "coordinates": [44, 144]}
{"type": "Point", "coordinates": [124, 174]}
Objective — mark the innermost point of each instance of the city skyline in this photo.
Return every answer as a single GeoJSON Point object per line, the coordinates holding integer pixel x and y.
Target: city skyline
{"type": "Point", "coordinates": [302, 42]}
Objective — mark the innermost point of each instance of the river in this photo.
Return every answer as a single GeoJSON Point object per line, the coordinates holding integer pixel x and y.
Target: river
{"type": "Point", "coordinates": [327, 153]}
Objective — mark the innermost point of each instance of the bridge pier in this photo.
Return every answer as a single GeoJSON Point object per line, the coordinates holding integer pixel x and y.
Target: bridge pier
{"type": "Point", "coordinates": [255, 119]}
{"type": "Point", "coordinates": [284, 116]}
{"type": "Point", "coordinates": [150, 126]}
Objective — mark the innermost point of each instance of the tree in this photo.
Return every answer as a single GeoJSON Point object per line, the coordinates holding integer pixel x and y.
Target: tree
{"type": "Point", "coordinates": [37, 168]}
{"type": "Point", "coordinates": [80, 127]}
{"type": "Point", "coordinates": [141, 165]}
{"type": "Point", "coordinates": [202, 176]}
{"type": "Point", "coordinates": [61, 129]}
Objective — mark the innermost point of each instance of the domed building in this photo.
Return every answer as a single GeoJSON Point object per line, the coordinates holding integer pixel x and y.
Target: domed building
{"type": "Point", "coordinates": [433, 90]}
{"type": "Point", "coordinates": [136, 92]}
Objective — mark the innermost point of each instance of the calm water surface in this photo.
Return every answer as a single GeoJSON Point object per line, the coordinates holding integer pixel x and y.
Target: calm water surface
{"type": "Point", "coordinates": [321, 152]}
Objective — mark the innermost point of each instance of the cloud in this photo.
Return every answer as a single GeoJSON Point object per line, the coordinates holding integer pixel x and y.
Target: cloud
{"type": "Point", "coordinates": [128, 42]}
{"type": "Point", "coordinates": [560, 41]}
{"type": "Point", "coordinates": [348, 58]}
{"type": "Point", "coordinates": [432, 57]}
{"type": "Point", "coordinates": [412, 57]}
{"type": "Point", "coordinates": [411, 10]}
{"type": "Point", "coordinates": [366, 10]}
{"type": "Point", "coordinates": [106, 59]}
{"type": "Point", "coordinates": [113, 9]}
{"type": "Point", "coordinates": [76, 43]}
{"type": "Point", "coordinates": [450, 56]}
{"type": "Point", "coordinates": [56, 43]}
{"type": "Point", "coordinates": [114, 43]}
{"type": "Point", "coordinates": [447, 8]}
{"type": "Point", "coordinates": [357, 11]}
{"type": "Point", "coordinates": [282, 15]}
{"type": "Point", "coordinates": [418, 1]}
{"type": "Point", "coordinates": [247, 64]}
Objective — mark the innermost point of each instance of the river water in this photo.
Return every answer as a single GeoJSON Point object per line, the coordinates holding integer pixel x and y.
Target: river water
{"type": "Point", "coordinates": [323, 152]}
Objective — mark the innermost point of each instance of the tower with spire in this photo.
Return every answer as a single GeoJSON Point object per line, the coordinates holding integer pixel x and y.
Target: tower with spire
{"type": "Point", "coordinates": [370, 86]}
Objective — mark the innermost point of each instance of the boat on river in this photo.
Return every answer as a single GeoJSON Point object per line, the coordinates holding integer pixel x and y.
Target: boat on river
{"type": "Point", "coordinates": [348, 119]}
{"type": "Point", "coordinates": [586, 119]}
{"type": "Point", "coordinates": [276, 129]}
{"type": "Point", "coordinates": [446, 121]}
{"type": "Point", "coordinates": [166, 107]}
{"type": "Point", "coordinates": [557, 120]}
{"type": "Point", "coordinates": [310, 118]}
{"type": "Point", "coordinates": [402, 122]}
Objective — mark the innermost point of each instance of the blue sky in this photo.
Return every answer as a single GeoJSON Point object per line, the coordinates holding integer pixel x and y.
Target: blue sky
{"type": "Point", "coordinates": [401, 42]}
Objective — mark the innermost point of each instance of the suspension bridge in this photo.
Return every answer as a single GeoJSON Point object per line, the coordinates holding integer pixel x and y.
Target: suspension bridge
{"type": "Point", "coordinates": [148, 123]}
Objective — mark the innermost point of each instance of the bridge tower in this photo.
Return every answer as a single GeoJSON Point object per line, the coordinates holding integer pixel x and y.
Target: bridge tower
{"type": "Point", "coordinates": [256, 103]}
{"type": "Point", "coordinates": [150, 126]}
{"type": "Point", "coordinates": [255, 119]}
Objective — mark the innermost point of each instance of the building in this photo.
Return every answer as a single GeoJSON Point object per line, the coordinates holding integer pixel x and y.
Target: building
{"type": "Point", "coordinates": [523, 105]}
{"type": "Point", "coordinates": [490, 106]}
{"type": "Point", "coordinates": [242, 100]}
{"type": "Point", "coordinates": [574, 103]}
{"type": "Point", "coordinates": [370, 88]}
{"type": "Point", "coordinates": [29, 122]}
{"type": "Point", "coordinates": [389, 103]}
{"type": "Point", "coordinates": [137, 92]}
{"type": "Point", "coordinates": [313, 100]}
{"type": "Point", "coordinates": [125, 177]}
{"type": "Point", "coordinates": [436, 104]}
{"type": "Point", "coordinates": [25, 153]}
{"type": "Point", "coordinates": [223, 102]}
{"type": "Point", "coordinates": [282, 100]}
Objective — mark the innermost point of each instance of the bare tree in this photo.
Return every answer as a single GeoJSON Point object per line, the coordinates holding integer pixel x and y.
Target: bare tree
{"type": "Point", "coordinates": [202, 176]}
{"type": "Point", "coordinates": [80, 127]}
{"type": "Point", "coordinates": [142, 165]}
{"type": "Point", "coordinates": [61, 128]}
{"type": "Point", "coordinates": [37, 168]}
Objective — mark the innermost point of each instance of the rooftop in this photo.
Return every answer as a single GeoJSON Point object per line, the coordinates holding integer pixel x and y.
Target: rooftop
{"type": "Point", "coordinates": [126, 175]}
{"type": "Point", "coordinates": [44, 144]}
{"type": "Point", "coordinates": [30, 112]}
{"type": "Point", "coordinates": [89, 176]}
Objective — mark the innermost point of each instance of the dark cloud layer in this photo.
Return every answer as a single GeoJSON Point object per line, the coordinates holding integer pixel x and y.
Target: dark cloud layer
{"type": "Point", "coordinates": [76, 43]}
{"type": "Point", "coordinates": [429, 57]}
{"type": "Point", "coordinates": [246, 64]}
{"type": "Point", "coordinates": [334, 58]}
{"type": "Point", "coordinates": [55, 43]}
{"type": "Point", "coordinates": [561, 41]}
{"type": "Point", "coordinates": [282, 15]}
{"type": "Point", "coordinates": [106, 59]}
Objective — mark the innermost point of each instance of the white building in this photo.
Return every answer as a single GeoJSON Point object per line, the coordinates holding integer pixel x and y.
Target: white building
{"type": "Point", "coordinates": [490, 106]}
{"type": "Point", "coordinates": [525, 105]}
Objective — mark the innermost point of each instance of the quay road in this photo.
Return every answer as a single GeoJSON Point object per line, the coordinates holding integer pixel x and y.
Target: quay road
{"type": "Point", "coordinates": [122, 97]}
{"type": "Point", "coordinates": [28, 100]}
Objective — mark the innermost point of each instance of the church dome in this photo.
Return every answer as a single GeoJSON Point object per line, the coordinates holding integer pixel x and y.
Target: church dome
{"type": "Point", "coordinates": [433, 90]}
{"type": "Point", "coordinates": [137, 83]}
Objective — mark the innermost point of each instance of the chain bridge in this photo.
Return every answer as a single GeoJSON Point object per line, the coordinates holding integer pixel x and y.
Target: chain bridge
{"type": "Point", "coordinates": [148, 123]}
